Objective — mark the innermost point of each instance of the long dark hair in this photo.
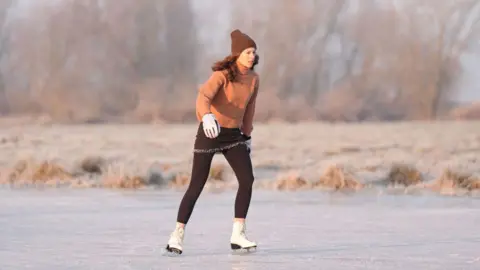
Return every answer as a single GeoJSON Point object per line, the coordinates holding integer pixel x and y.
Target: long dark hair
{"type": "Point", "coordinates": [228, 64]}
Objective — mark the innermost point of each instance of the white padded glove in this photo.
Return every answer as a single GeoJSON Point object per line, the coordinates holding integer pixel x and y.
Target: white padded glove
{"type": "Point", "coordinates": [210, 125]}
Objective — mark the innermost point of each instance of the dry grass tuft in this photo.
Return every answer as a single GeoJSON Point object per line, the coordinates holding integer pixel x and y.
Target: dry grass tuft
{"type": "Point", "coordinates": [401, 174]}
{"type": "Point", "coordinates": [16, 173]}
{"type": "Point", "coordinates": [48, 171]}
{"type": "Point", "coordinates": [117, 177]}
{"type": "Point", "coordinates": [217, 172]}
{"type": "Point", "coordinates": [180, 180]}
{"type": "Point", "coordinates": [29, 172]}
{"type": "Point", "coordinates": [450, 180]}
{"type": "Point", "coordinates": [93, 165]}
{"type": "Point", "coordinates": [156, 174]}
{"type": "Point", "coordinates": [290, 182]}
{"type": "Point", "coordinates": [126, 182]}
{"type": "Point", "coordinates": [338, 178]}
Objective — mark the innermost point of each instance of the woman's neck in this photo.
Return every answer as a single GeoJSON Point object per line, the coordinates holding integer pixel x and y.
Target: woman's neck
{"type": "Point", "coordinates": [242, 69]}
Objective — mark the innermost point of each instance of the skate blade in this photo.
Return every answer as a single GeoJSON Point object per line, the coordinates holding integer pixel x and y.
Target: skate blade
{"type": "Point", "coordinates": [173, 252]}
{"type": "Point", "coordinates": [237, 249]}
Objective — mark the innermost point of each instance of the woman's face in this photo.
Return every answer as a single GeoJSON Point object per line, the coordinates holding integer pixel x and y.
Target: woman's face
{"type": "Point", "coordinates": [247, 57]}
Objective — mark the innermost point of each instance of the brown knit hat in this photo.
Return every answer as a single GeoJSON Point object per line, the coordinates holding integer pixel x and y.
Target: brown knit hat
{"type": "Point", "coordinates": [240, 42]}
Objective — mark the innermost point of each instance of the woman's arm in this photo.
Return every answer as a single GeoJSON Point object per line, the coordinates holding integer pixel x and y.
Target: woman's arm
{"type": "Point", "coordinates": [247, 126]}
{"type": "Point", "coordinates": [208, 91]}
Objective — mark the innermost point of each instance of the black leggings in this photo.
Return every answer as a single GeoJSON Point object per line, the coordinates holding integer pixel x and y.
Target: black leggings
{"type": "Point", "coordinates": [239, 159]}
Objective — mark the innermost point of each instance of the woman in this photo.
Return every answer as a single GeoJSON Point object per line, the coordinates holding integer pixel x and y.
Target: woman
{"type": "Point", "coordinates": [225, 108]}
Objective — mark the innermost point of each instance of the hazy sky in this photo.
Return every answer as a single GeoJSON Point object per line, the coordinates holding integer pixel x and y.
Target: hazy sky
{"type": "Point", "coordinates": [470, 79]}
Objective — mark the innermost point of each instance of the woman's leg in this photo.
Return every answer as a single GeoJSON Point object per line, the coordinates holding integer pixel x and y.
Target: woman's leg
{"type": "Point", "coordinates": [239, 159]}
{"type": "Point", "coordinates": [200, 171]}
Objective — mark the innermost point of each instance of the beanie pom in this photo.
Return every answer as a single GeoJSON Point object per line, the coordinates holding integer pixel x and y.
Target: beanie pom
{"type": "Point", "coordinates": [235, 33]}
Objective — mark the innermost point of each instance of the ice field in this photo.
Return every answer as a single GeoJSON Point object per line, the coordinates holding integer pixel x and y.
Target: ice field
{"type": "Point", "coordinates": [99, 229]}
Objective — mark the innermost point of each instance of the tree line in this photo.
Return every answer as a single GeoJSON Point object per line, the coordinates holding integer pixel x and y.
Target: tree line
{"type": "Point", "coordinates": [344, 60]}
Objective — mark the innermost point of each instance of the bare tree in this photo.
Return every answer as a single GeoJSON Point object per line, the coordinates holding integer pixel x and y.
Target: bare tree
{"type": "Point", "coordinates": [458, 25]}
{"type": "Point", "coordinates": [85, 60]}
{"type": "Point", "coordinates": [410, 59]}
{"type": "Point", "coordinates": [294, 38]}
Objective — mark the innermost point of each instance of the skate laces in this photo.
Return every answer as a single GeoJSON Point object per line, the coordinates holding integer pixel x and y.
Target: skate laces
{"type": "Point", "coordinates": [178, 235]}
{"type": "Point", "coordinates": [242, 231]}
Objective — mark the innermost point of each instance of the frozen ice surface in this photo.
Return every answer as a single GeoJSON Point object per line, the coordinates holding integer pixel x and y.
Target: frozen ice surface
{"type": "Point", "coordinates": [99, 229]}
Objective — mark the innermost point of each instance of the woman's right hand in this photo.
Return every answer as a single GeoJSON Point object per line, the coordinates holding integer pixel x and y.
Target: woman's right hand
{"type": "Point", "coordinates": [248, 140]}
{"type": "Point", "coordinates": [210, 125]}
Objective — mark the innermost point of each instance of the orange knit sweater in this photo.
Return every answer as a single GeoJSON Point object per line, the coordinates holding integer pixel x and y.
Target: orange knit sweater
{"type": "Point", "coordinates": [232, 103]}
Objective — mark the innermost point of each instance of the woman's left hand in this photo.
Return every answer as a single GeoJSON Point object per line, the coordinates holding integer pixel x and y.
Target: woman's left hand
{"type": "Point", "coordinates": [248, 143]}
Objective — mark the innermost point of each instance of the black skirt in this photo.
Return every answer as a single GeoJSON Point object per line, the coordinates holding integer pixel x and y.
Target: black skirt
{"type": "Point", "coordinates": [228, 138]}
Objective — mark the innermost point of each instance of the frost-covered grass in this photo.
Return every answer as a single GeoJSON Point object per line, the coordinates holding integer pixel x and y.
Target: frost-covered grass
{"type": "Point", "coordinates": [406, 156]}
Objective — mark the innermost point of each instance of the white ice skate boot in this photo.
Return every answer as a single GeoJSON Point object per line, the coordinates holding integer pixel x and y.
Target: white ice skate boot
{"type": "Point", "coordinates": [238, 240]}
{"type": "Point", "coordinates": [176, 240]}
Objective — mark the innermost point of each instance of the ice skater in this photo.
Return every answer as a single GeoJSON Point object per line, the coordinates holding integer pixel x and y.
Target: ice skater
{"type": "Point", "coordinates": [225, 108]}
